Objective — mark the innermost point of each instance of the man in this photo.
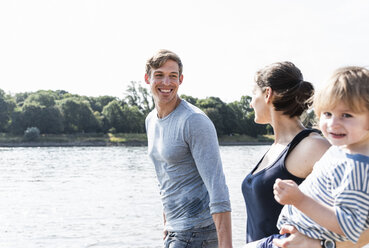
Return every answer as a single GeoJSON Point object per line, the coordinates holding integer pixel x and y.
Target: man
{"type": "Point", "coordinates": [183, 145]}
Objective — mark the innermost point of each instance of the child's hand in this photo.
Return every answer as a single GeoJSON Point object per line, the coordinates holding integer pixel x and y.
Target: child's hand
{"type": "Point", "coordinates": [286, 192]}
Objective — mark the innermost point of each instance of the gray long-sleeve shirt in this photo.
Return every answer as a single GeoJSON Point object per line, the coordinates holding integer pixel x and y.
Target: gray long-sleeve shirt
{"type": "Point", "coordinates": [184, 149]}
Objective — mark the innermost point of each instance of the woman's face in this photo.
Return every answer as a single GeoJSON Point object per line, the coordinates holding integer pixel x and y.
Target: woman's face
{"type": "Point", "coordinates": [259, 104]}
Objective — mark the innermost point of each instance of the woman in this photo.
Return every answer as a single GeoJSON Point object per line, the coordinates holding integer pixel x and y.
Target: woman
{"type": "Point", "coordinates": [280, 96]}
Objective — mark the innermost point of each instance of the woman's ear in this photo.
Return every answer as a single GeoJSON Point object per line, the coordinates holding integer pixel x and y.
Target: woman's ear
{"type": "Point", "coordinates": [268, 94]}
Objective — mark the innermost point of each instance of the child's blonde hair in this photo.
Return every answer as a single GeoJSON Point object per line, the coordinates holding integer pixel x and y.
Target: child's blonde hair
{"type": "Point", "coordinates": [349, 85]}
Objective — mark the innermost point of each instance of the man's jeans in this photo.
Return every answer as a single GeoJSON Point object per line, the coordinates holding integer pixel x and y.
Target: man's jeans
{"type": "Point", "coordinates": [194, 238]}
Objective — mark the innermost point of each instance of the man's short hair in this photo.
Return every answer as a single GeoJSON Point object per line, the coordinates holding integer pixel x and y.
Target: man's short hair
{"type": "Point", "coordinates": [160, 58]}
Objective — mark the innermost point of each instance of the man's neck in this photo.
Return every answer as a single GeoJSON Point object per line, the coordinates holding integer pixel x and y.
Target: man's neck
{"type": "Point", "coordinates": [164, 110]}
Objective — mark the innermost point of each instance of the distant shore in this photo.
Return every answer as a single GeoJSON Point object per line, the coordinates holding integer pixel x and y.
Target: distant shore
{"type": "Point", "coordinates": [7, 140]}
{"type": "Point", "coordinates": [69, 144]}
{"type": "Point", "coordinates": [91, 144]}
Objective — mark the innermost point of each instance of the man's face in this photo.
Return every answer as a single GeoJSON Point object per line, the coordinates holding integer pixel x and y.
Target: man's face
{"type": "Point", "coordinates": [164, 82]}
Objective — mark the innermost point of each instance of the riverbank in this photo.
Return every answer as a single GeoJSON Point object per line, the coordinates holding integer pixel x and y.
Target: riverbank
{"type": "Point", "coordinates": [121, 139]}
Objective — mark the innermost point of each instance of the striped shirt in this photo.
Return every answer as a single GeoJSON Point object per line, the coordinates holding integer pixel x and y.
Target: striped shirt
{"type": "Point", "coordinates": [340, 180]}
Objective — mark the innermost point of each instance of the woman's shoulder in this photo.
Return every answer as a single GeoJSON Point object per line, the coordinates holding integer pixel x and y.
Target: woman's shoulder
{"type": "Point", "coordinates": [315, 141]}
{"type": "Point", "coordinates": [301, 160]}
{"type": "Point", "coordinates": [312, 147]}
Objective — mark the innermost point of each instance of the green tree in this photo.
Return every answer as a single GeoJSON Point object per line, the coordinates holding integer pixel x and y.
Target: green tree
{"type": "Point", "coordinates": [7, 106]}
{"type": "Point", "coordinates": [20, 98]}
{"type": "Point", "coordinates": [52, 120]}
{"type": "Point", "coordinates": [217, 111]}
{"type": "Point", "coordinates": [240, 119]}
{"type": "Point", "coordinates": [47, 119]}
{"type": "Point", "coordinates": [217, 119]}
{"type": "Point", "coordinates": [126, 119]}
{"type": "Point", "coordinates": [43, 98]}
{"type": "Point", "coordinates": [134, 120]}
{"type": "Point", "coordinates": [61, 94]}
{"type": "Point", "coordinates": [244, 116]}
{"type": "Point", "coordinates": [138, 96]}
{"type": "Point", "coordinates": [102, 122]}
{"type": "Point", "coordinates": [37, 109]}
{"type": "Point", "coordinates": [98, 103]}
{"type": "Point", "coordinates": [78, 116]}
{"type": "Point", "coordinates": [17, 126]}
{"type": "Point", "coordinates": [31, 116]}
{"type": "Point", "coordinates": [190, 99]}
{"type": "Point", "coordinates": [113, 113]}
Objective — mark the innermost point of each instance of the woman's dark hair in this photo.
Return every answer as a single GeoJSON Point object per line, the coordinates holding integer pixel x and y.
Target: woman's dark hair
{"type": "Point", "coordinates": [292, 94]}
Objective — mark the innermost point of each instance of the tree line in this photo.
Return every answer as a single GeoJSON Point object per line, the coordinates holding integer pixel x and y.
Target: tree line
{"type": "Point", "coordinates": [60, 112]}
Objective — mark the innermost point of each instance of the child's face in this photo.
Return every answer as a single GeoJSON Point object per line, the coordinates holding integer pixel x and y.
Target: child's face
{"type": "Point", "coordinates": [342, 127]}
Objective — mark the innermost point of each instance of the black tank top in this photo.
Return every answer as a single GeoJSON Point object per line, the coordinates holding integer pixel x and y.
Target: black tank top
{"type": "Point", "coordinates": [262, 209]}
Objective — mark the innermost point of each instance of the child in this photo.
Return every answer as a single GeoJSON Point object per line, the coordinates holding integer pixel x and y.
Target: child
{"type": "Point", "coordinates": [332, 204]}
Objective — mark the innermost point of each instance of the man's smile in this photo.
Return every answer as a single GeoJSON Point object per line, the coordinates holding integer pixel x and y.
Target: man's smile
{"type": "Point", "coordinates": [165, 90]}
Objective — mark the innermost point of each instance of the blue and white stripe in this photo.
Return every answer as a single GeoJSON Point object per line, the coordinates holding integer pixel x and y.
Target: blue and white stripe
{"type": "Point", "coordinates": [339, 180]}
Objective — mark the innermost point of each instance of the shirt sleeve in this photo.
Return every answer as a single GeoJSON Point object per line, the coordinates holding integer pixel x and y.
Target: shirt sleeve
{"type": "Point", "coordinates": [203, 142]}
{"type": "Point", "coordinates": [352, 202]}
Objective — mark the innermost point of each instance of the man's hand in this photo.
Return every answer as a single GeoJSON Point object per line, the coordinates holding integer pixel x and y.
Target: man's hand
{"type": "Point", "coordinates": [165, 234]}
{"type": "Point", "coordinates": [287, 192]}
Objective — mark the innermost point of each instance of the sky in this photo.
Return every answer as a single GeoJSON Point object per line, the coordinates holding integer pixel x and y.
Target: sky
{"type": "Point", "coordinates": [97, 47]}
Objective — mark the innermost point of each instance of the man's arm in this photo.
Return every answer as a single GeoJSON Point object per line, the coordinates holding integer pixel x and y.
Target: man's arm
{"type": "Point", "coordinates": [165, 232]}
{"type": "Point", "coordinates": [203, 143]}
{"type": "Point", "coordinates": [298, 240]}
{"type": "Point", "coordinates": [223, 225]}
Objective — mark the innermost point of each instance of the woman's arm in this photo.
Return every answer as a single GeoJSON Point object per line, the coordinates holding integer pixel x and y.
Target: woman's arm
{"type": "Point", "coordinates": [298, 240]}
{"type": "Point", "coordinates": [363, 240]}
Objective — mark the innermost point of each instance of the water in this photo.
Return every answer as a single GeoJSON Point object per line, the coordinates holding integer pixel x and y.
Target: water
{"type": "Point", "coordinates": [81, 197]}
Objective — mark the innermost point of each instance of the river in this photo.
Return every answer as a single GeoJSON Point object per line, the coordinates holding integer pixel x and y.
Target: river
{"type": "Point", "coordinates": [79, 197]}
